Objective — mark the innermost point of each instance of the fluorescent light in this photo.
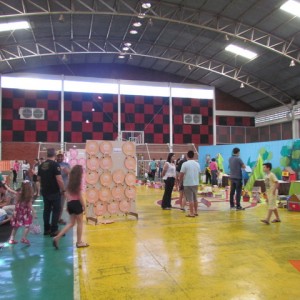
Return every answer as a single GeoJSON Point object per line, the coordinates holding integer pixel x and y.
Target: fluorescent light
{"type": "Point", "coordinates": [292, 7]}
{"type": "Point", "coordinates": [127, 44]}
{"type": "Point", "coordinates": [196, 93]}
{"type": "Point", "coordinates": [90, 87]}
{"type": "Point", "coordinates": [14, 26]}
{"type": "Point", "coordinates": [137, 24]}
{"type": "Point", "coordinates": [31, 83]}
{"type": "Point", "coordinates": [146, 5]}
{"type": "Point", "coordinates": [133, 31]}
{"type": "Point", "coordinates": [144, 90]}
{"type": "Point", "coordinates": [241, 51]}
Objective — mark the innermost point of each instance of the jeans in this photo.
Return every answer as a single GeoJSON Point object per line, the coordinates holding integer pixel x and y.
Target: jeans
{"type": "Point", "coordinates": [52, 204]}
{"type": "Point", "coordinates": [169, 184]}
{"type": "Point", "coordinates": [235, 188]}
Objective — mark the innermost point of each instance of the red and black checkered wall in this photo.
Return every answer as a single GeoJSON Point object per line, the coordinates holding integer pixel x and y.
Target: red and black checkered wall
{"type": "Point", "coordinates": [148, 114]}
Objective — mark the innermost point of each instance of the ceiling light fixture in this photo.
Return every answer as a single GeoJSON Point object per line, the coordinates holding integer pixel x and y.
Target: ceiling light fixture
{"type": "Point", "coordinates": [14, 26]}
{"type": "Point", "coordinates": [226, 37]}
{"type": "Point", "coordinates": [146, 5]}
{"type": "Point", "coordinates": [125, 48]}
{"type": "Point", "coordinates": [127, 44]}
{"type": "Point", "coordinates": [292, 63]}
{"type": "Point", "coordinates": [64, 58]}
{"type": "Point", "coordinates": [133, 31]}
{"type": "Point", "coordinates": [190, 67]}
{"type": "Point", "coordinates": [137, 24]}
{"type": "Point", "coordinates": [141, 15]}
{"type": "Point", "coordinates": [61, 18]}
{"type": "Point", "coordinates": [241, 51]}
{"type": "Point", "coordinates": [93, 109]}
{"type": "Point", "coordinates": [150, 22]}
{"type": "Point", "coordinates": [292, 7]}
{"type": "Point", "coordinates": [242, 86]}
{"type": "Point", "coordinates": [121, 56]}
{"type": "Point", "coordinates": [87, 121]}
{"type": "Point", "coordinates": [130, 56]}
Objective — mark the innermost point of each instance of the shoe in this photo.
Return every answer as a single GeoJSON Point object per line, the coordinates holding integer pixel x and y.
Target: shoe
{"type": "Point", "coordinates": [240, 208]}
{"type": "Point", "coordinates": [47, 232]}
{"type": "Point", "coordinates": [25, 241]}
{"type": "Point", "coordinates": [183, 209]}
{"type": "Point", "coordinates": [265, 221]}
{"type": "Point", "coordinates": [55, 244]}
{"type": "Point", "coordinates": [190, 216]}
{"type": "Point", "coordinates": [276, 221]}
{"type": "Point", "coordinates": [13, 242]}
{"type": "Point", "coordinates": [167, 208]}
{"type": "Point", "coordinates": [196, 215]}
{"type": "Point", "coordinates": [62, 222]}
{"type": "Point", "coordinates": [82, 245]}
{"type": "Point", "coordinates": [53, 234]}
{"type": "Point", "coordinates": [232, 207]}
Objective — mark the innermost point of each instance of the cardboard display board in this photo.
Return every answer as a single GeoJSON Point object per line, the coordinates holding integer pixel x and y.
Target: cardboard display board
{"type": "Point", "coordinates": [110, 179]}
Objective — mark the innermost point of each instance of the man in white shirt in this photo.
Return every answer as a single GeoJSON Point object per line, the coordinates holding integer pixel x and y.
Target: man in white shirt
{"type": "Point", "coordinates": [189, 176]}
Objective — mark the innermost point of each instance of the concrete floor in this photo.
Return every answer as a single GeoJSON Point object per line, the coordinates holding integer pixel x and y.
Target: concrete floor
{"type": "Point", "coordinates": [221, 254]}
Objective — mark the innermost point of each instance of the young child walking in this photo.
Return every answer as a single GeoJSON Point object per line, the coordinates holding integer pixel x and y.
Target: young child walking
{"type": "Point", "coordinates": [75, 207]}
{"type": "Point", "coordinates": [23, 213]}
{"type": "Point", "coordinates": [271, 183]}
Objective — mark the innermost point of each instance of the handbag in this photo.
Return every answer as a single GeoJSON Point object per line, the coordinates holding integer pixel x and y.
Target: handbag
{"type": "Point", "coordinates": [35, 228]}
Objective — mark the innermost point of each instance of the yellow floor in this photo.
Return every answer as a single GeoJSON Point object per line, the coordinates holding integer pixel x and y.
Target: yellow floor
{"type": "Point", "coordinates": [221, 254]}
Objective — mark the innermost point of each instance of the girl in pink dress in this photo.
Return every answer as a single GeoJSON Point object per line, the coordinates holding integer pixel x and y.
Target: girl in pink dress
{"type": "Point", "coordinates": [75, 207]}
{"type": "Point", "coordinates": [23, 213]}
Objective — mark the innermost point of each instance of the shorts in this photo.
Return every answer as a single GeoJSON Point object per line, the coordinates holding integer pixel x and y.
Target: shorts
{"type": "Point", "coordinates": [74, 207]}
{"type": "Point", "coordinates": [190, 193]}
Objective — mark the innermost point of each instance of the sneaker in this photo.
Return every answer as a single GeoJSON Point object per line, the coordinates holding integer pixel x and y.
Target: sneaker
{"type": "Point", "coordinates": [240, 208]}
{"type": "Point", "coordinates": [232, 207]}
{"type": "Point", "coordinates": [167, 208]}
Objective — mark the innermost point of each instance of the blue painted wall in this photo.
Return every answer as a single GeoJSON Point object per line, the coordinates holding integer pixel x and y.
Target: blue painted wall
{"type": "Point", "coordinates": [281, 154]}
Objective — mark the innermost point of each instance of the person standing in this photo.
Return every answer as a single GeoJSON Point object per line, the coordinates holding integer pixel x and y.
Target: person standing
{"type": "Point", "coordinates": [214, 171]}
{"type": "Point", "coordinates": [152, 167]}
{"type": "Point", "coordinates": [76, 207]}
{"type": "Point", "coordinates": [272, 185]}
{"type": "Point", "coordinates": [160, 167]}
{"type": "Point", "coordinates": [189, 177]}
{"type": "Point", "coordinates": [65, 170]}
{"type": "Point", "coordinates": [16, 169]}
{"type": "Point", "coordinates": [35, 183]}
{"type": "Point", "coordinates": [236, 165]}
{"type": "Point", "coordinates": [169, 175]}
{"type": "Point", "coordinates": [52, 186]}
{"type": "Point", "coordinates": [25, 169]}
{"type": "Point", "coordinates": [23, 213]}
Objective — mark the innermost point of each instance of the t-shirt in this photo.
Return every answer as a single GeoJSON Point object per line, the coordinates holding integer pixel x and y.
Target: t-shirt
{"type": "Point", "coordinates": [64, 168]}
{"type": "Point", "coordinates": [48, 171]}
{"type": "Point", "coordinates": [270, 181]}
{"type": "Point", "coordinates": [191, 170]}
{"type": "Point", "coordinates": [235, 166]}
{"type": "Point", "coordinates": [152, 165]}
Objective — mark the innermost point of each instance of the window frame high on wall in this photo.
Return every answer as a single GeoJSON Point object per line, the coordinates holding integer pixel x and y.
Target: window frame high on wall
{"type": "Point", "coordinates": [62, 83]}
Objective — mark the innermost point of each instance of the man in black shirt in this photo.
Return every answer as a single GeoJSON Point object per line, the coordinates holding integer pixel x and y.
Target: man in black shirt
{"type": "Point", "coordinates": [52, 187]}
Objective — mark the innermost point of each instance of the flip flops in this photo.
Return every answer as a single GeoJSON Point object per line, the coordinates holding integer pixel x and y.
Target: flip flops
{"type": "Point", "coordinates": [82, 245]}
{"type": "Point", "coordinates": [25, 241]}
{"type": "Point", "coordinates": [55, 244]}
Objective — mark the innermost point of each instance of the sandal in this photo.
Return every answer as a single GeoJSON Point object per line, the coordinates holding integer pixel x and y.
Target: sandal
{"type": "Point", "coordinates": [82, 245]}
{"type": "Point", "coordinates": [55, 244]}
{"type": "Point", "coordinates": [25, 241]}
{"type": "Point", "coordinates": [276, 221]}
{"type": "Point", "coordinates": [13, 242]}
{"type": "Point", "coordinates": [265, 221]}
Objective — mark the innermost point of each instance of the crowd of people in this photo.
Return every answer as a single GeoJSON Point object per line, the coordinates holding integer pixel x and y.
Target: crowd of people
{"type": "Point", "coordinates": [184, 173]}
{"type": "Point", "coordinates": [57, 183]}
